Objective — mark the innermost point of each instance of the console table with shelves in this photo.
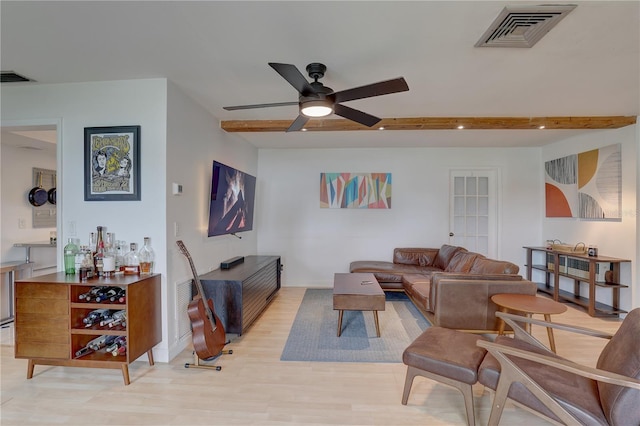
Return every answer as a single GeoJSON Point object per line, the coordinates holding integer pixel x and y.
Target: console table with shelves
{"type": "Point", "coordinates": [582, 269]}
{"type": "Point", "coordinates": [49, 327]}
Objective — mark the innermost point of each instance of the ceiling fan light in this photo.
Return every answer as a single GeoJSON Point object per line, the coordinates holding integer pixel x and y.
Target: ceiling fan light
{"type": "Point", "coordinates": [320, 108]}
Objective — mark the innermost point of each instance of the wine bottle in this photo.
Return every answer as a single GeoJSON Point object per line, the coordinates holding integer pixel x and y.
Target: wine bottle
{"type": "Point", "coordinates": [99, 257]}
{"type": "Point", "coordinates": [91, 294]}
{"type": "Point", "coordinates": [95, 316]}
{"type": "Point", "coordinates": [91, 346]}
{"type": "Point", "coordinates": [106, 294]}
{"type": "Point", "coordinates": [118, 318]}
{"type": "Point", "coordinates": [121, 294]}
{"type": "Point", "coordinates": [117, 343]}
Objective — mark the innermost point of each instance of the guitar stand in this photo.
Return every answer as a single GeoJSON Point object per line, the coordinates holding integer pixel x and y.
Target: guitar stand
{"type": "Point", "coordinates": [196, 361]}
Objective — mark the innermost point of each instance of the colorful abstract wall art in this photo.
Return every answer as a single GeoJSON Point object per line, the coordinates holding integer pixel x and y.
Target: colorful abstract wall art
{"type": "Point", "coordinates": [587, 185]}
{"type": "Point", "coordinates": [355, 190]}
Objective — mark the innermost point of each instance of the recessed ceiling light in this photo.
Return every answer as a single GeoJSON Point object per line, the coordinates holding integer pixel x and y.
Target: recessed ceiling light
{"type": "Point", "coordinates": [541, 127]}
{"type": "Point", "coordinates": [303, 129]}
{"type": "Point", "coordinates": [381, 128]}
{"type": "Point", "coordinates": [460, 127]}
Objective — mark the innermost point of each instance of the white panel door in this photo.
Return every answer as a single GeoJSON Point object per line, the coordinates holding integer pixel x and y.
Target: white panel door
{"type": "Point", "coordinates": [473, 210]}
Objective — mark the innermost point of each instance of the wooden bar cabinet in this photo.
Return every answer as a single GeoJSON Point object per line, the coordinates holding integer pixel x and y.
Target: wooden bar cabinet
{"type": "Point", "coordinates": [49, 326]}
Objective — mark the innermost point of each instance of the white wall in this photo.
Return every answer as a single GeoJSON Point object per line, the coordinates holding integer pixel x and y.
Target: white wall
{"type": "Point", "coordinates": [315, 243]}
{"type": "Point", "coordinates": [79, 105]}
{"type": "Point", "coordinates": [179, 141]}
{"type": "Point", "coordinates": [194, 140]}
{"type": "Point", "coordinates": [16, 181]}
{"type": "Point", "coordinates": [613, 238]}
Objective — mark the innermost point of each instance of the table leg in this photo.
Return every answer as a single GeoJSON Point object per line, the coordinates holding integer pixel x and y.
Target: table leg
{"type": "Point", "coordinates": [552, 342]}
{"type": "Point", "coordinates": [375, 317]}
{"type": "Point", "coordinates": [501, 323]}
{"type": "Point", "coordinates": [340, 322]}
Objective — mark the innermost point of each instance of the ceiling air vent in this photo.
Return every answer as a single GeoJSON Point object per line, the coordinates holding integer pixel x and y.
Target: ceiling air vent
{"type": "Point", "coordinates": [12, 77]}
{"type": "Point", "coordinates": [523, 26]}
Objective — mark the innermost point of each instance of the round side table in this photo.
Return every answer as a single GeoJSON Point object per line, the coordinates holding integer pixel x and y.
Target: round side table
{"type": "Point", "coordinates": [528, 305]}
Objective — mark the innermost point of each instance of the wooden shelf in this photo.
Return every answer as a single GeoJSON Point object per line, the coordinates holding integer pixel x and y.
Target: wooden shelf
{"type": "Point", "coordinates": [49, 328]}
{"type": "Point", "coordinates": [551, 285]}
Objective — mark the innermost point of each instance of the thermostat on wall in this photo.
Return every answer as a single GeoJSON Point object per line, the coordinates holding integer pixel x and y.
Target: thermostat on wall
{"type": "Point", "coordinates": [177, 189]}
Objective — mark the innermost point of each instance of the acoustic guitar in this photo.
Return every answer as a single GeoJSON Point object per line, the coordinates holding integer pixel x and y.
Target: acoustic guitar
{"type": "Point", "coordinates": [208, 333]}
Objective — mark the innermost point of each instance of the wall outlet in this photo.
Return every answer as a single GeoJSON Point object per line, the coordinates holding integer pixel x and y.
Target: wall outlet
{"type": "Point", "coordinates": [22, 223]}
{"type": "Point", "coordinates": [72, 228]}
{"type": "Point", "coordinates": [176, 229]}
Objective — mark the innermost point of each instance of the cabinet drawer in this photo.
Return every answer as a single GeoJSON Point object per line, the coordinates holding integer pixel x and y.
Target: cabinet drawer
{"type": "Point", "coordinates": [42, 291]}
{"type": "Point", "coordinates": [43, 307]}
{"type": "Point", "coordinates": [39, 350]}
{"type": "Point", "coordinates": [40, 328]}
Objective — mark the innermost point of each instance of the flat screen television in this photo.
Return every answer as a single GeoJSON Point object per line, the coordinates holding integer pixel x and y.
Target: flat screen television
{"type": "Point", "coordinates": [232, 200]}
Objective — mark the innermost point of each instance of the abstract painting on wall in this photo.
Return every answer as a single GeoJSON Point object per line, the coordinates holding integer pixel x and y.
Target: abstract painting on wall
{"type": "Point", "coordinates": [600, 183]}
{"type": "Point", "coordinates": [355, 190]}
{"type": "Point", "coordinates": [561, 192]}
{"type": "Point", "coordinates": [586, 185]}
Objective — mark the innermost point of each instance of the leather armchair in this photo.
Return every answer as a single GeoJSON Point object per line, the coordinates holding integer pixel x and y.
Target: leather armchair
{"type": "Point", "coordinates": [524, 370]}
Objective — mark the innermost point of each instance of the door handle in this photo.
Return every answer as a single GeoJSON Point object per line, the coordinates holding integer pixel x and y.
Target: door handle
{"type": "Point", "coordinates": [451, 234]}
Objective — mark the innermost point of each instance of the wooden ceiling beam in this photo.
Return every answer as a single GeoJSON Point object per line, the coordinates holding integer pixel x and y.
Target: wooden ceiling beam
{"type": "Point", "coordinates": [437, 123]}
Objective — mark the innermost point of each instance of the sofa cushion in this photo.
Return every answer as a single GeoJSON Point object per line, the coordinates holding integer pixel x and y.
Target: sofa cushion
{"type": "Point", "coordinates": [418, 288]}
{"type": "Point", "coordinates": [445, 253]}
{"type": "Point", "coordinates": [482, 265]}
{"type": "Point", "coordinates": [461, 261]}
{"type": "Point", "coordinates": [386, 272]}
{"type": "Point", "coordinates": [447, 353]}
{"type": "Point", "coordinates": [415, 256]}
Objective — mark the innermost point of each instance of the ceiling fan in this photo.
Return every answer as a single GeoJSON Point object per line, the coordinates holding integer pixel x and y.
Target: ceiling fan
{"type": "Point", "coordinates": [318, 100]}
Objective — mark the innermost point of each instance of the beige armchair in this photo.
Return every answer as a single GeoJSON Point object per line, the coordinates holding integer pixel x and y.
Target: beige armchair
{"type": "Point", "coordinates": [524, 370]}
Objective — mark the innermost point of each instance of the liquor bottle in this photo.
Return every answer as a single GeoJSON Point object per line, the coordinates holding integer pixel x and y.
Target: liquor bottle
{"type": "Point", "coordinates": [70, 251]}
{"type": "Point", "coordinates": [109, 257]}
{"type": "Point", "coordinates": [99, 256]}
{"type": "Point", "coordinates": [121, 249]}
{"type": "Point", "coordinates": [131, 262]}
{"type": "Point", "coordinates": [146, 257]}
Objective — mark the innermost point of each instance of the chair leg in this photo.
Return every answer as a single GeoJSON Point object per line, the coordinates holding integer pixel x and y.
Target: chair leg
{"type": "Point", "coordinates": [499, 399]}
{"type": "Point", "coordinates": [412, 372]}
{"type": "Point", "coordinates": [464, 388]}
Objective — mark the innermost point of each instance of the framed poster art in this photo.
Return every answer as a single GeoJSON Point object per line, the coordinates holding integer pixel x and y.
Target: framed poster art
{"type": "Point", "coordinates": [112, 163]}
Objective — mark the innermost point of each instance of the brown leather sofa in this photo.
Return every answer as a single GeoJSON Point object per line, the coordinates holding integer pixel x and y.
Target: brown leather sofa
{"type": "Point", "coordinates": [451, 286]}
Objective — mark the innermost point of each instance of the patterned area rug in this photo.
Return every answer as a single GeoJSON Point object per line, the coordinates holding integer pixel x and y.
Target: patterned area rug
{"type": "Point", "coordinates": [313, 336]}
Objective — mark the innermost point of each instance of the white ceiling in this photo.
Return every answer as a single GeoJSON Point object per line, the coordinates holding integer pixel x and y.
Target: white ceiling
{"type": "Point", "coordinates": [217, 53]}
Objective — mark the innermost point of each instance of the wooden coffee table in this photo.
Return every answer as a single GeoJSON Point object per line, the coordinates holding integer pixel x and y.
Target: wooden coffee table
{"type": "Point", "coordinates": [528, 305]}
{"type": "Point", "coordinates": [357, 292]}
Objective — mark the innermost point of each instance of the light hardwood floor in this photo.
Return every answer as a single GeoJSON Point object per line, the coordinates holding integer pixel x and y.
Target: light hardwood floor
{"type": "Point", "coordinates": [255, 387]}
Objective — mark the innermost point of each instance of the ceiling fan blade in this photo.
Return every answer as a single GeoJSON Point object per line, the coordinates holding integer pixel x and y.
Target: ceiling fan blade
{"type": "Point", "coordinates": [298, 123]}
{"type": "Point", "coordinates": [355, 115]}
{"type": "Point", "coordinates": [294, 77]}
{"type": "Point", "coordinates": [376, 89]}
{"type": "Point", "coordinates": [277, 104]}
